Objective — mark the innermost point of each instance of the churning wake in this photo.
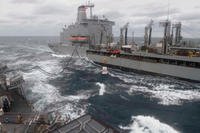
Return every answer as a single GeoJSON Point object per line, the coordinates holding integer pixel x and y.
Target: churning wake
{"type": "Point", "coordinates": [148, 124]}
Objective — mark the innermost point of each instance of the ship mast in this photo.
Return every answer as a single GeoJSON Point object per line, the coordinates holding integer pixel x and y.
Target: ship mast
{"type": "Point", "coordinates": [90, 5]}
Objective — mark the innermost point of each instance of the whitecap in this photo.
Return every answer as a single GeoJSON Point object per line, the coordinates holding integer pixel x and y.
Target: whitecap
{"type": "Point", "coordinates": [79, 62]}
{"type": "Point", "coordinates": [167, 94]}
{"type": "Point", "coordinates": [102, 89]}
{"type": "Point", "coordinates": [60, 56]}
{"type": "Point", "coordinates": [46, 97]}
{"type": "Point", "coordinates": [124, 77]}
{"type": "Point", "coordinates": [50, 66]}
{"type": "Point", "coordinates": [124, 98]}
{"type": "Point", "coordinates": [148, 124]}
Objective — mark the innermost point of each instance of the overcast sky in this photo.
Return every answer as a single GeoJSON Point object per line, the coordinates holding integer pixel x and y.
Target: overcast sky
{"type": "Point", "coordinates": [47, 17]}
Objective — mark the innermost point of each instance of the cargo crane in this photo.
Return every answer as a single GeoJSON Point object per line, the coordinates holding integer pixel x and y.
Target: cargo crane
{"type": "Point", "coordinates": [133, 38]}
{"type": "Point", "coordinates": [167, 37]}
{"type": "Point", "coordinates": [148, 32]}
{"type": "Point", "coordinates": [178, 37]}
{"type": "Point", "coordinates": [122, 40]}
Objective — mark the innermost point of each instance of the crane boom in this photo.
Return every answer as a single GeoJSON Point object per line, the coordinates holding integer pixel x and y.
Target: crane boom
{"type": "Point", "coordinates": [148, 32]}
{"type": "Point", "coordinates": [125, 27]}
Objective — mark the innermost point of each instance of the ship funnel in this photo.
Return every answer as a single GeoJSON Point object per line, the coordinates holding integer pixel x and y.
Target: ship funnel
{"type": "Point", "coordinates": [81, 13]}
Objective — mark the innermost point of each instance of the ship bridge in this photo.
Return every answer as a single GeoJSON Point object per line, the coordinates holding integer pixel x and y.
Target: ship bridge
{"type": "Point", "coordinates": [87, 30]}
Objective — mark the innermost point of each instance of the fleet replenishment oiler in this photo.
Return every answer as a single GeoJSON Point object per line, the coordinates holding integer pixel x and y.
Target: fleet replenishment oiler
{"type": "Point", "coordinates": [93, 37]}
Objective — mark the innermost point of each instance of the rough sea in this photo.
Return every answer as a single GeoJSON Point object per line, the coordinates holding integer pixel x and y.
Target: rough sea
{"type": "Point", "coordinates": [135, 103]}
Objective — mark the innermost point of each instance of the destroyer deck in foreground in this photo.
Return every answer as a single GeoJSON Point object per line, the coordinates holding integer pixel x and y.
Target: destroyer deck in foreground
{"type": "Point", "coordinates": [85, 124]}
{"type": "Point", "coordinates": [13, 103]}
{"type": "Point", "coordinates": [18, 116]}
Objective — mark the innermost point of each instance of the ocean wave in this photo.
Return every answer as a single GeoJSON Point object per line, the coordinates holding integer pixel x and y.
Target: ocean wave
{"type": "Point", "coordinates": [102, 89]}
{"type": "Point", "coordinates": [47, 98]}
{"type": "Point", "coordinates": [167, 91]}
{"type": "Point", "coordinates": [50, 94]}
{"type": "Point", "coordinates": [77, 61]}
{"type": "Point", "coordinates": [37, 75]}
{"type": "Point", "coordinates": [80, 62]}
{"type": "Point", "coordinates": [66, 55]}
{"type": "Point", "coordinates": [60, 56]}
{"type": "Point", "coordinates": [52, 68]}
{"type": "Point", "coordinates": [124, 77]}
{"type": "Point", "coordinates": [148, 124]}
{"type": "Point", "coordinates": [167, 94]}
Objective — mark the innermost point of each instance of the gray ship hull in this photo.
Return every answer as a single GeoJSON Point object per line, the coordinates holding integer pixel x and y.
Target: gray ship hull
{"type": "Point", "coordinates": [67, 49]}
{"type": "Point", "coordinates": [85, 31]}
{"type": "Point", "coordinates": [187, 73]}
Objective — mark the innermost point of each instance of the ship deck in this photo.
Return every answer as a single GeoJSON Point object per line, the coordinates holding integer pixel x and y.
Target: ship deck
{"type": "Point", "coordinates": [19, 106]}
{"type": "Point", "coordinates": [149, 63]}
{"type": "Point", "coordinates": [18, 103]}
{"type": "Point", "coordinates": [173, 57]}
{"type": "Point", "coordinates": [85, 124]}
{"type": "Point", "coordinates": [154, 55]}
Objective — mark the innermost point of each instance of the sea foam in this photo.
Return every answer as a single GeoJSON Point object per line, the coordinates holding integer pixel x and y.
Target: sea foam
{"type": "Point", "coordinates": [148, 124]}
{"type": "Point", "coordinates": [102, 89]}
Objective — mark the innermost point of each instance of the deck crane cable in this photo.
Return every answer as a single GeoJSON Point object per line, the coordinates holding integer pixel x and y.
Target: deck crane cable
{"type": "Point", "coordinates": [66, 66]}
{"type": "Point", "coordinates": [189, 31]}
{"type": "Point", "coordinates": [87, 60]}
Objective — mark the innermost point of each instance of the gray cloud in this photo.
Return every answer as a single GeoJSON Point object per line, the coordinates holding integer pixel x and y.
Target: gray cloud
{"type": "Point", "coordinates": [4, 21]}
{"type": "Point", "coordinates": [25, 1]}
{"type": "Point", "coordinates": [49, 10]}
{"type": "Point", "coordinates": [113, 15]}
{"type": "Point", "coordinates": [156, 12]}
{"type": "Point", "coordinates": [193, 16]}
{"type": "Point", "coordinates": [22, 17]}
{"type": "Point", "coordinates": [52, 9]}
{"type": "Point", "coordinates": [51, 14]}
